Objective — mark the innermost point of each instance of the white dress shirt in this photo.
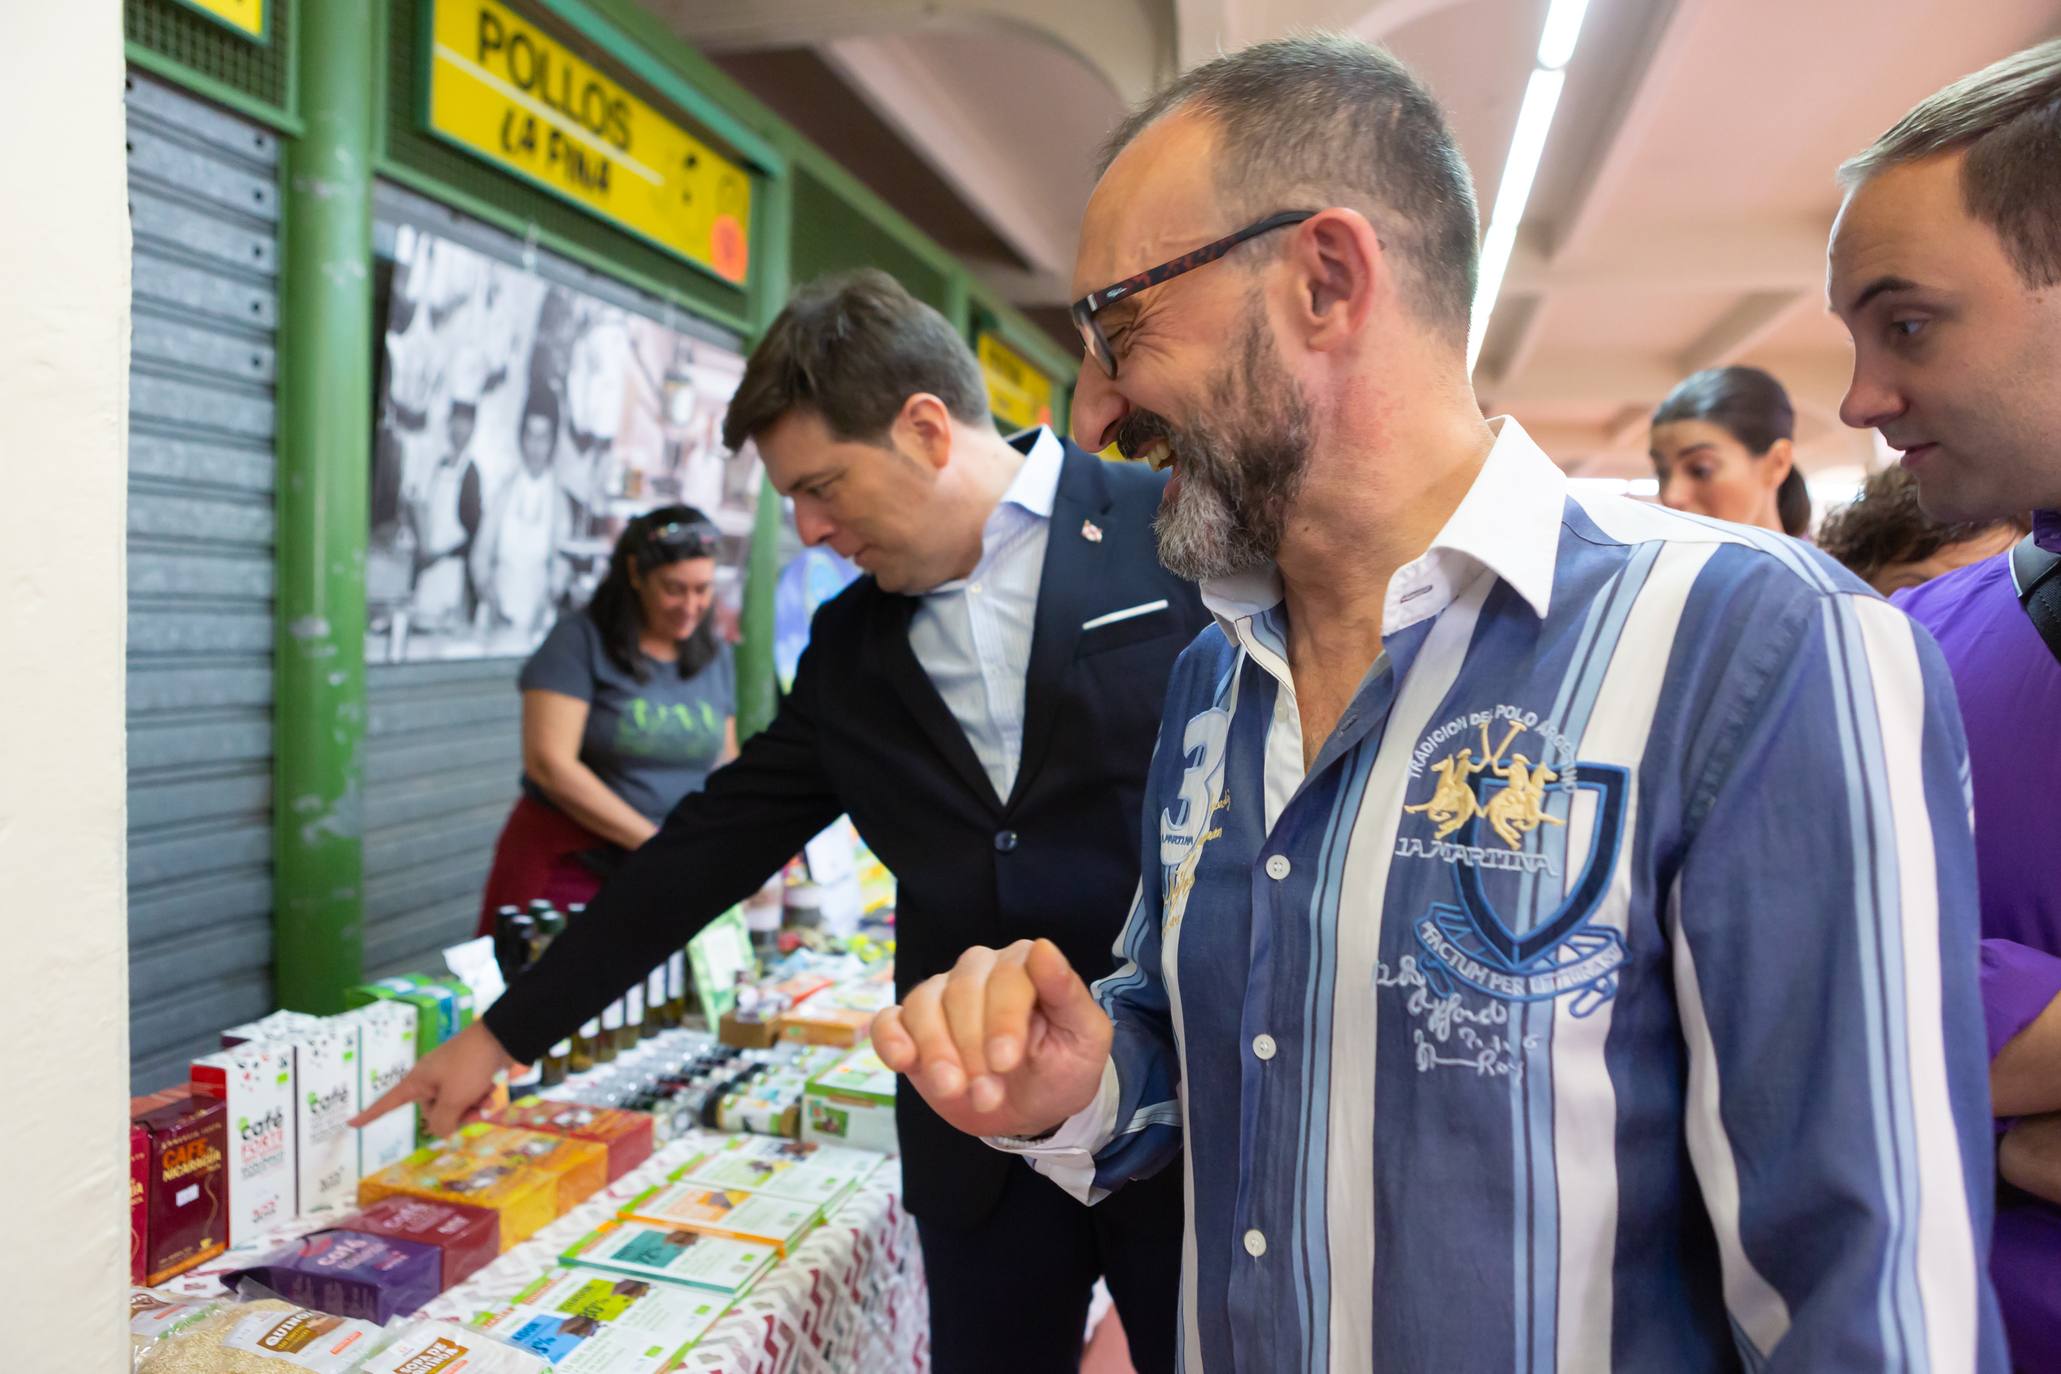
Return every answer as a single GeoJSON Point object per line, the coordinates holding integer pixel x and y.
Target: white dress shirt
{"type": "Point", "coordinates": [973, 636]}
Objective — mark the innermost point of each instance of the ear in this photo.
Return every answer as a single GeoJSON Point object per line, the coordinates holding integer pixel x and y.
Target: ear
{"type": "Point", "coordinates": [923, 430]}
{"type": "Point", "coordinates": [1780, 458]}
{"type": "Point", "coordinates": [1340, 269]}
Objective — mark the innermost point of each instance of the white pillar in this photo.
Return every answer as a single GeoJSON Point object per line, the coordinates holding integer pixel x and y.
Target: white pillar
{"type": "Point", "coordinates": [64, 986]}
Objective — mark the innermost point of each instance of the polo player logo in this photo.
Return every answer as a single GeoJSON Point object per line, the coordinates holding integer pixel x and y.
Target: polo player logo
{"type": "Point", "coordinates": [1472, 943]}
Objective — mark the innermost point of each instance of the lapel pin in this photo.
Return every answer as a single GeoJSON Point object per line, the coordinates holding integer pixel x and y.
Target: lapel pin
{"type": "Point", "coordinates": [1091, 531]}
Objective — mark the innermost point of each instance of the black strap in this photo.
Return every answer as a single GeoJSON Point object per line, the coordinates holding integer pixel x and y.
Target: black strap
{"type": "Point", "coordinates": [2036, 575]}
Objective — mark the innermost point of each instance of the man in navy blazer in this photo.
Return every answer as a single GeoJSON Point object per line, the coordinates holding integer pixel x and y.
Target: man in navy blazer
{"type": "Point", "coordinates": [983, 704]}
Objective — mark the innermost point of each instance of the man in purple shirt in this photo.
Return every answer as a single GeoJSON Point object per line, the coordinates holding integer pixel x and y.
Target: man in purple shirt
{"type": "Point", "coordinates": [1946, 269]}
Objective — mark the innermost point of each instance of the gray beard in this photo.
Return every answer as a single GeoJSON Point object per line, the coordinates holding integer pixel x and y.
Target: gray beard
{"type": "Point", "coordinates": [1231, 508]}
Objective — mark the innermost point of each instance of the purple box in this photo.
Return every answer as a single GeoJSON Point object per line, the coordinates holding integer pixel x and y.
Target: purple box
{"type": "Point", "coordinates": [351, 1274]}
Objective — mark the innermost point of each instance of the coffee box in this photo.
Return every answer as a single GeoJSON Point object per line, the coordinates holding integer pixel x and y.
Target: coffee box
{"type": "Point", "coordinates": [280, 1025]}
{"type": "Point", "coordinates": [476, 1172]}
{"type": "Point", "coordinates": [469, 1237]}
{"type": "Point", "coordinates": [325, 1099]}
{"type": "Point", "coordinates": [139, 1199]}
{"type": "Point", "coordinates": [386, 1052]}
{"type": "Point", "coordinates": [628, 1135]}
{"type": "Point", "coordinates": [254, 1082]}
{"type": "Point", "coordinates": [188, 1186]}
{"type": "Point", "coordinates": [350, 1274]}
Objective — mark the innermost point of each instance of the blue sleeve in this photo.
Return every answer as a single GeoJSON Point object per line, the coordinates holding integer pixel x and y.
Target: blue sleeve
{"type": "Point", "coordinates": [1823, 929]}
{"type": "Point", "coordinates": [564, 662]}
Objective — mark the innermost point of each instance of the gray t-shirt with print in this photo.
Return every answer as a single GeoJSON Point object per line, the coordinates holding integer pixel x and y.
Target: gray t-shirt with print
{"type": "Point", "coordinates": [653, 741]}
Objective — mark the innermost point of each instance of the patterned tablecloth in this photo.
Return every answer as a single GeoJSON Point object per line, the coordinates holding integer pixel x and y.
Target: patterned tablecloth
{"type": "Point", "coordinates": [851, 1299]}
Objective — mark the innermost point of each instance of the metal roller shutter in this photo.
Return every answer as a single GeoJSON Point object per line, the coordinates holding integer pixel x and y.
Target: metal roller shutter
{"type": "Point", "coordinates": [443, 755]}
{"type": "Point", "coordinates": [204, 203]}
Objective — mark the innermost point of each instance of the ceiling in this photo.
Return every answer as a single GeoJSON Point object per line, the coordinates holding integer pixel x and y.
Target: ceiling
{"type": "Point", "coordinates": [1678, 221]}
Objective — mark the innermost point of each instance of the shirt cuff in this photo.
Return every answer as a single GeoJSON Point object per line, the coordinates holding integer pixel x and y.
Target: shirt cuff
{"type": "Point", "coordinates": [1067, 1156]}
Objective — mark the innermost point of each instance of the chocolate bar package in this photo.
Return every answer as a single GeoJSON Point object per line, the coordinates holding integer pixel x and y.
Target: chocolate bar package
{"type": "Point", "coordinates": [628, 1135]}
{"type": "Point", "coordinates": [351, 1274]}
{"type": "Point", "coordinates": [188, 1186]}
{"type": "Point", "coordinates": [469, 1237]}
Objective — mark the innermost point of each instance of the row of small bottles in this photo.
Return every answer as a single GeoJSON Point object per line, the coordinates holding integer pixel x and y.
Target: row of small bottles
{"type": "Point", "coordinates": [655, 1003]}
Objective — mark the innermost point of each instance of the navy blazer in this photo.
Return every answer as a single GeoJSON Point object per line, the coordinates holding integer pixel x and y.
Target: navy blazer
{"type": "Point", "coordinates": [865, 733]}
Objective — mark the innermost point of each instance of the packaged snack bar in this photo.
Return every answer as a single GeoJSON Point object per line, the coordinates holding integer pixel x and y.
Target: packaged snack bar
{"type": "Point", "coordinates": [585, 1322]}
{"type": "Point", "coordinates": [254, 1084]}
{"type": "Point", "coordinates": [852, 1104]}
{"type": "Point", "coordinates": [628, 1136]}
{"type": "Point", "coordinates": [468, 1238]}
{"type": "Point", "coordinates": [732, 1212]}
{"type": "Point", "coordinates": [798, 1170]}
{"type": "Point", "coordinates": [432, 1347]}
{"type": "Point", "coordinates": [187, 1191]}
{"type": "Point", "coordinates": [351, 1274]}
{"type": "Point", "coordinates": [673, 1255]}
{"type": "Point", "coordinates": [460, 1171]}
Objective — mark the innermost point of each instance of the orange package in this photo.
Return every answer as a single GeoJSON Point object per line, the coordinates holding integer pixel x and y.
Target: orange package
{"type": "Point", "coordinates": [471, 1172]}
{"type": "Point", "coordinates": [628, 1136]}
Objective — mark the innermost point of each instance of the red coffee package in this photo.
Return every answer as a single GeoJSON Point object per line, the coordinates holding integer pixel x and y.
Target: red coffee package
{"type": "Point", "coordinates": [187, 1186]}
{"type": "Point", "coordinates": [470, 1237]}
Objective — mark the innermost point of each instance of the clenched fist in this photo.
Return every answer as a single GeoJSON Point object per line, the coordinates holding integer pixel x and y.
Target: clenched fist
{"type": "Point", "coordinates": [1008, 1043]}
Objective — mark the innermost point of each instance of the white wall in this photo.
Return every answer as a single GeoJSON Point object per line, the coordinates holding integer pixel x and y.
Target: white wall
{"type": "Point", "coordinates": [64, 345]}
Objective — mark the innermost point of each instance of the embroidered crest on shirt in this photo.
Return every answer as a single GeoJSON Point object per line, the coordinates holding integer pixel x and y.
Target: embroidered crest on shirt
{"type": "Point", "coordinates": [1491, 799]}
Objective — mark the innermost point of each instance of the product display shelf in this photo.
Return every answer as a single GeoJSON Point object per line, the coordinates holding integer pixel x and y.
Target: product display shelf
{"type": "Point", "coordinates": [850, 1300]}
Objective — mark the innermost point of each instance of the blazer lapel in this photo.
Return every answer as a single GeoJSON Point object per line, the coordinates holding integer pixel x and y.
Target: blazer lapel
{"type": "Point", "coordinates": [888, 647]}
{"type": "Point", "coordinates": [1075, 559]}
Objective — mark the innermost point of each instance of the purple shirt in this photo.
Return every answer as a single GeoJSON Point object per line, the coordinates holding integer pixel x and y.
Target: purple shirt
{"type": "Point", "coordinates": [2010, 689]}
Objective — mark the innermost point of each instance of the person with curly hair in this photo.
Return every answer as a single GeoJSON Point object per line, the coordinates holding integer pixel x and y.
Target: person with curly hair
{"type": "Point", "coordinates": [1888, 541]}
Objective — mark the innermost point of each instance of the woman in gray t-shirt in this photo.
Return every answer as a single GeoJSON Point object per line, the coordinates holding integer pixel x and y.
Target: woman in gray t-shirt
{"type": "Point", "coordinates": [626, 708]}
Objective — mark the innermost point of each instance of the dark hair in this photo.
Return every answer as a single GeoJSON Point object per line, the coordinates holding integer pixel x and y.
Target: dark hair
{"type": "Point", "coordinates": [2007, 118]}
{"type": "Point", "coordinates": [1886, 525]}
{"type": "Point", "coordinates": [541, 400]}
{"type": "Point", "coordinates": [852, 349]}
{"type": "Point", "coordinates": [1753, 408]}
{"type": "Point", "coordinates": [655, 539]}
{"type": "Point", "coordinates": [1325, 119]}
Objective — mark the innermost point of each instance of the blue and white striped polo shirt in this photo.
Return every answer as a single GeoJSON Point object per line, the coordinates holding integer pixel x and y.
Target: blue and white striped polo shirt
{"type": "Point", "coordinates": [1604, 998]}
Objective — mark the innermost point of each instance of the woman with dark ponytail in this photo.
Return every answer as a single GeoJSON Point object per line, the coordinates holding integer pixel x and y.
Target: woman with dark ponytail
{"type": "Point", "coordinates": [1723, 445]}
{"type": "Point", "coordinates": [627, 707]}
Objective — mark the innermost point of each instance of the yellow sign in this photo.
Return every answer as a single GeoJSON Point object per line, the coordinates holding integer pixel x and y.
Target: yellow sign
{"type": "Point", "coordinates": [502, 89]}
{"type": "Point", "coordinates": [245, 16]}
{"type": "Point", "coordinates": [1018, 394]}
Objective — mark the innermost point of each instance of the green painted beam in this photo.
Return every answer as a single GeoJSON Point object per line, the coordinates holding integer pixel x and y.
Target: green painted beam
{"type": "Point", "coordinates": [758, 683]}
{"type": "Point", "coordinates": [325, 448]}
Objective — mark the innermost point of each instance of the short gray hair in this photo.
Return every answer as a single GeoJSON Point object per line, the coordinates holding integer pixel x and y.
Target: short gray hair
{"type": "Point", "coordinates": [1337, 121]}
{"type": "Point", "coordinates": [2007, 119]}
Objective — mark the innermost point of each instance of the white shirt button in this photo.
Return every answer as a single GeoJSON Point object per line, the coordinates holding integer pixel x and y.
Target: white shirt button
{"type": "Point", "coordinates": [1263, 1046]}
{"type": "Point", "coordinates": [974, 588]}
{"type": "Point", "coordinates": [1278, 867]}
{"type": "Point", "coordinates": [1255, 1244]}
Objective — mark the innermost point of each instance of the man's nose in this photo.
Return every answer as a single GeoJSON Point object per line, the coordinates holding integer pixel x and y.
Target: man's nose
{"type": "Point", "coordinates": [811, 524]}
{"type": "Point", "coordinates": [1097, 406]}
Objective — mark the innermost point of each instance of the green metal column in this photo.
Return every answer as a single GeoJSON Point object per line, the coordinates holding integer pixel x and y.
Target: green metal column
{"type": "Point", "coordinates": [325, 449]}
{"type": "Point", "coordinates": [758, 693]}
